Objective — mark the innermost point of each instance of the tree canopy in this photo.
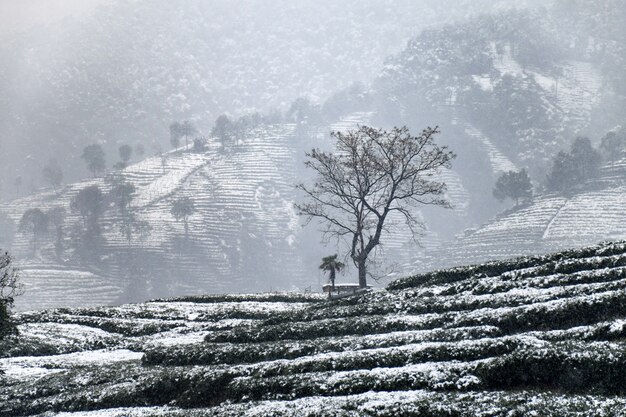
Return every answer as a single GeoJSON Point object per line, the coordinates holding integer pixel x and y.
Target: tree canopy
{"type": "Point", "coordinates": [575, 167]}
{"type": "Point", "coordinates": [513, 185]}
{"type": "Point", "coordinates": [612, 145]}
{"type": "Point", "coordinates": [371, 174]}
{"type": "Point", "coordinates": [89, 203]}
{"type": "Point", "coordinates": [35, 222]}
{"type": "Point", "coordinates": [182, 208]}
{"type": "Point", "coordinates": [94, 158]}
{"type": "Point", "coordinates": [332, 265]}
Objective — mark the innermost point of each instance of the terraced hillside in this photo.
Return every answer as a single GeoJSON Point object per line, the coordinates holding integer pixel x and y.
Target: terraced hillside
{"type": "Point", "coordinates": [529, 336]}
{"type": "Point", "coordinates": [244, 236]}
{"type": "Point", "coordinates": [591, 214]}
{"type": "Point", "coordinates": [243, 208]}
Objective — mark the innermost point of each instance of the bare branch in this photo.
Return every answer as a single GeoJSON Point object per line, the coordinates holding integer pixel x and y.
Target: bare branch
{"type": "Point", "coordinates": [372, 174]}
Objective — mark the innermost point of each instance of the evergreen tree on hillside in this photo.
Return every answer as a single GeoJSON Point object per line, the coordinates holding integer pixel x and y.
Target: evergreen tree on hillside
{"type": "Point", "coordinates": [585, 158]}
{"type": "Point", "coordinates": [302, 110]}
{"type": "Point", "coordinates": [612, 146]}
{"type": "Point", "coordinates": [562, 176]}
{"type": "Point", "coordinates": [125, 152]}
{"type": "Point", "coordinates": [87, 239]}
{"type": "Point", "coordinates": [199, 144]}
{"type": "Point", "coordinates": [182, 208]}
{"type": "Point", "coordinates": [223, 129]}
{"type": "Point", "coordinates": [89, 203]}
{"type": "Point", "coordinates": [94, 158]}
{"type": "Point", "coordinates": [575, 167]}
{"type": "Point", "coordinates": [187, 129]}
{"type": "Point", "coordinates": [35, 222]}
{"type": "Point", "coordinates": [513, 185]}
{"type": "Point", "coordinates": [122, 195]}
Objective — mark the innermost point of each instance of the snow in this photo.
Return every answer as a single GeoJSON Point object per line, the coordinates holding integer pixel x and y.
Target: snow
{"type": "Point", "coordinates": [500, 163]}
{"type": "Point", "coordinates": [37, 366]}
{"type": "Point", "coordinates": [468, 327]}
{"type": "Point", "coordinates": [122, 412]}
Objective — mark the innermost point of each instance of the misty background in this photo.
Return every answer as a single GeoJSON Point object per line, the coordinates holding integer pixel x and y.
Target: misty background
{"type": "Point", "coordinates": [511, 84]}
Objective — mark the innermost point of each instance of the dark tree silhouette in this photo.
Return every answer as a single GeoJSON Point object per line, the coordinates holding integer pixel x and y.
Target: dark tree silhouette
{"type": "Point", "coordinates": [331, 265]}
{"type": "Point", "coordinates": [585, 158]}
{"type": "Point", "coordinates": [612, 146]}
{"type": "Point", "coordinates": [126, 152]}
{"type": "Point", "coordinates": [187, 129]}
{"type": "Point", "coordinates": [223, 129]}
{"type": "Point", "coordinates": [35, 222]}
{"type": "Point", "coordinates": [372, 174]}
{"type": "Point", "coordinates": [95, 158]}
{"type": "Point", "coordinates": [199, 144]}
{"type": "Point", "coordinates": [122, 195]}
{"type": "Point", "coordinates": [87, 240]}
{"type": "Point", "coordinates": [513, 185]}
{"type": "Point", "coordinates": [575, 167]}
{"type": "Point", "coordinates": [89, 203]}
{"type": "Point", "coordinates": [563, 173]}
{"type": "Point", "coordinates": [182, 208]}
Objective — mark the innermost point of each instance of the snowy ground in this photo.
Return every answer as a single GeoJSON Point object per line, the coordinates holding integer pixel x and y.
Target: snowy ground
{"type": "Point", "coordinates": [531, 336]}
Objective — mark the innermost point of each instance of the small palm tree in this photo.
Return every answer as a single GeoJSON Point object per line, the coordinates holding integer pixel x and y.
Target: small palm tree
{"type": "Point", "coordinates": [331, 265]}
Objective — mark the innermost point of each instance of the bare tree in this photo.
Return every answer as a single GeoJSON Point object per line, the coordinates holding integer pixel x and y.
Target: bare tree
{"type": "Point", "coordinates": [372, 174]}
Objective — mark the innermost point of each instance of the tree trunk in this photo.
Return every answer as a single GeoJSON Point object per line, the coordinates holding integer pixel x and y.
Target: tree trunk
{"type": "Point", "coordinates": [332, 278]}
{"type": "Point", "coordinates": [362, 274]}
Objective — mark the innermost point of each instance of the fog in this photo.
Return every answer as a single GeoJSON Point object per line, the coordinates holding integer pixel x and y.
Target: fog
{"type": "Point", "coordinates": [509, 83]}
{"type": "Point", "coordinates": [24, 15]}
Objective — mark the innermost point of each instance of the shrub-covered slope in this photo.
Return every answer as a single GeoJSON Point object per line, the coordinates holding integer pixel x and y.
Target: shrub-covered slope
{"type": "Point", "coordinates": [127, 70]}
{"type": "Point", "coordinates": [541, 335]}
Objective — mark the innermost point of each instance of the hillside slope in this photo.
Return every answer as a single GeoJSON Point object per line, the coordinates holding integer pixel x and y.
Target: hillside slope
{"type": "Point", "coordinates": [589, 214]}
{"type": "Point", "coordinates": [531, 335]}
{"type": "Point", "coordinates": [243, 207]}
{"type": "Point", "coordinates": [244, 236]}
{"type": "Point", "coordinates": [126, 71]}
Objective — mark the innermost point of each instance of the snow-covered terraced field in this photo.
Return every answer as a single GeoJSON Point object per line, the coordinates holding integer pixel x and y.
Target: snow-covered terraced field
{"type": "Point", "coordinates": [529, 336]}
{"type": "Point", "coordinates": [589, 215]}
{"type": "Point", "coordinates": [244, 218]}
